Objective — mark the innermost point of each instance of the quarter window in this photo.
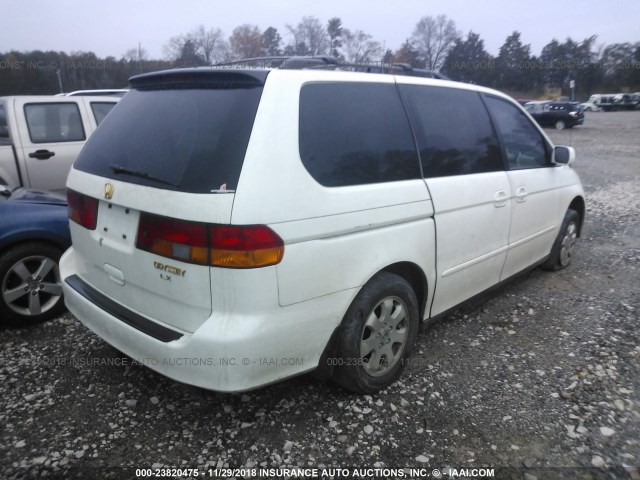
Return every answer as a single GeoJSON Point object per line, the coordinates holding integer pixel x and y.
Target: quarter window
{"type": "Point", "coordinates": [453, 131]}
{"type": "Point", "coordinates": [4, 128]}
{"type": "Point", "coordinates": [100, 110]}
{"type": "Point", "coordinates": [522, 143]}
{"type": "Point", "coordinates": [54, 122]}
{"type": "Point", "coordinates": [355, 133]}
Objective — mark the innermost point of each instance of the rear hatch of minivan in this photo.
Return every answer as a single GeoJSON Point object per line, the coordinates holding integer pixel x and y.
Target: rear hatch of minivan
{"type": "Point", "coordinates": [155, 182]}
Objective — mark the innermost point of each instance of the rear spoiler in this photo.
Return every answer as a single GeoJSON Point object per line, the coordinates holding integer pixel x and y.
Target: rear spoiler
{"type": "Point", "coordinates": [208, 77]}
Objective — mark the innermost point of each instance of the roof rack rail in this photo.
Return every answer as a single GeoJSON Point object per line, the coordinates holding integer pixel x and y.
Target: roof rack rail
{"type": "Point", "coordinates": [328, 62]}
{"type": "Point", "coordinates": [391, 68]}
{"type": "Point", "coordinates": [284, 62]}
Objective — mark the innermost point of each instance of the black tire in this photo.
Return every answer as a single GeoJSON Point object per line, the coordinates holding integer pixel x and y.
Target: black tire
{"type": "Point", "coordinates": [562, 250]}
{"type": "Point", "coordinates": [385, 311]}
{"type": "Point", "coordinates": [27, 298]}
{"type": "Point", "coordinates": [560, 125]}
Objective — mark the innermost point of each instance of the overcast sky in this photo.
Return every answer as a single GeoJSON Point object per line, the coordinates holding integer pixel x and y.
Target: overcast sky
{"type": "Point", "coordinates": [109, 28]}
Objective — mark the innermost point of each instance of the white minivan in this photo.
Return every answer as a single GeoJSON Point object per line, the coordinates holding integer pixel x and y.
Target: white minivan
{"type": "Point", "coordinates": [235, 227]}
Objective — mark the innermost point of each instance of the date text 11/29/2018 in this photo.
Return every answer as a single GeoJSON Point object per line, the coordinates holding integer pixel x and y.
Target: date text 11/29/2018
{"type": "Point", "coordinates": [333, 473]}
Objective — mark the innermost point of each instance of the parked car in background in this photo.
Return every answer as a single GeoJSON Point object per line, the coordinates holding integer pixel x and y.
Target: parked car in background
{"type": "Point", "coordinates": [615, 101]}
{"type": "Point", "coordinates": [116, 92]}
{"type": "Point", "coordinates": [202, 227]}
{"type": "Point", "coordinates": [559, 115]}
{"type": "Point", "coordinates": [41, 136]}
{"type": "Point", "coordinates": [34, 231]}
{"type": "Point", "coordinates": [589, 107]}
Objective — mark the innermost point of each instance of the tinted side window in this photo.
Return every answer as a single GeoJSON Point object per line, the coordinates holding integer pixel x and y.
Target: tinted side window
{"type": "Point", "coordinates": [453, 131]}
{"type": "Point", "coordinates": [4, 128]}
{"type": "Point", "coordinates": [54, 122]}
{"type": "Point", "coordinates": [100, 110]}
{"type": "Point", "coordinates": [523, 144]}
{"type": "Point", "coordinates": [355, 133]}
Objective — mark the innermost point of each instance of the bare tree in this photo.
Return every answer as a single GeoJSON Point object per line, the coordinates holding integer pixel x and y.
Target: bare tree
{"type": "Point", "coordinates": [406, 54]}
{"type": "Point", "coordinates": [246, 41]}
{"type": "Point", "coordinates": [432, 38]}
{"type": "Point", "coordinates": [137, 54]}
{"type": "Point", "coordinates": [173, 48]}
{"type": "Point", "coordinates": [209, 43]}
{"type": "Point", "coordinates": [309, 37]}
{"type": "Point", "coordinates": [359, 47]}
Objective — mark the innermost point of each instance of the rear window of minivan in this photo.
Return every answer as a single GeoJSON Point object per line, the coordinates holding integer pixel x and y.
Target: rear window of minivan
{"type": "Point", "coordinates": [189, 139]}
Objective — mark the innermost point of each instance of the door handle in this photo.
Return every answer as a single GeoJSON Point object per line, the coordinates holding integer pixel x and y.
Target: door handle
{"type": "Point", "coordinates": [500, 199]}
{"type": "Point", "coordinates": [41, 154]}
{"type": "Point", "coordinates": [521, 194]}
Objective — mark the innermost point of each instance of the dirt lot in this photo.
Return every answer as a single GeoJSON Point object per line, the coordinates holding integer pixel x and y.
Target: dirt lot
{"type": "Point", "coordinates": [540, 381]}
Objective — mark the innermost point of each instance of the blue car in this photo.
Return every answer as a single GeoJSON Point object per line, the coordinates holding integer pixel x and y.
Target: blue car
{"type": "Point", "coordinates": [34, 232]}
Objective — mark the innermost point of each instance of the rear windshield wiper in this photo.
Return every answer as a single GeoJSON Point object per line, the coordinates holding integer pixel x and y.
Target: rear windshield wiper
{"type": "Point", "coordinates": [118, 169]}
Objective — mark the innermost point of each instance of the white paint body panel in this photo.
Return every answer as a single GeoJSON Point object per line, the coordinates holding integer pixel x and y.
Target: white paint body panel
{"type": "Point", "coordinates": [472, 231]}
{"type": "Point", "coordinates": [183, 302]}
{"type": "Point", "coordinates": [463, 233]}
{"type": "Point", "coordinates": [540, 198]}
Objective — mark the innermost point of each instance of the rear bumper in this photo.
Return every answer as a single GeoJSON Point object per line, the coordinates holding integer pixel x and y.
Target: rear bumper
{"type": "Point", "coordinates": [231, 351]}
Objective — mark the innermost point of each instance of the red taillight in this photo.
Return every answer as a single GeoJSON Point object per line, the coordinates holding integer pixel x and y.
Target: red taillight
{"type": "Point", "coordinates": [206, 244]}
{"type": "Point", "coordinates": [172, 238]}
{"type": "Point", "coordinates": [245, 247]}
{"type": "Point", "coordinates": [82, 209]}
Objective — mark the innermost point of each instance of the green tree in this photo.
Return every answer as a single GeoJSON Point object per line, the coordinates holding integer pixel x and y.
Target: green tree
{"type": "Point", "coordinates": [335, 31]}
{"type": "Point", "coordinates": [562, 62]}
{"type": "Point", "coordinates": [189, 56]}
{"type": "Point", "coordinates": [468, 61]}
{"type": "Point", "coordinates": [618, 62]}
{"type": "Point", "coordinates": [271, 41]}
{"type": "Point", "coordinates": [515, 68]}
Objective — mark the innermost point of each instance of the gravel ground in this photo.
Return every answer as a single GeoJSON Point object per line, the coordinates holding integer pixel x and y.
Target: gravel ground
{"type": "Point", "coordinates": [541, 380]}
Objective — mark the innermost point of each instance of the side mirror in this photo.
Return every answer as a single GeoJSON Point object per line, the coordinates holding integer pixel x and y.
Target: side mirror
{"type": "Point", "coordinates": [564, 155]}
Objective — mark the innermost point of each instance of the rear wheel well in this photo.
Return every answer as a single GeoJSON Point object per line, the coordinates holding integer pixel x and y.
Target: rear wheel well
{"type": "Point", "coordinates": [577, 204]}
{"type": "Point", "coordinates": [413, 274]}
{"type": "Point", "coordinates": [22, 241]}
{"type": "Point", "coordinates": [416, 278]}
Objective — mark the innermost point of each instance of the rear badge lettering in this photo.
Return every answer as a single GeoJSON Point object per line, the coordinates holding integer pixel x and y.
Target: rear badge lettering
{"type": "Point", "coordinates": [169, 269]}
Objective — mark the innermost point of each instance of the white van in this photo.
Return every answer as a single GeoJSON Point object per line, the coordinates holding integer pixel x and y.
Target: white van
{"type": "Point", "coordinates": [235, 227]}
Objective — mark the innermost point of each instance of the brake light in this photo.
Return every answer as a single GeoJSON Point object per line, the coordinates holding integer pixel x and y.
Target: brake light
{"type": "Point", "coordinates": [172, 238]}
{"type": "Point", "coordinates": [245, 246]}
{"type": "Point", "coordinates": [83, 209]}
{"type": "Point", "coordinates": [225, 246]}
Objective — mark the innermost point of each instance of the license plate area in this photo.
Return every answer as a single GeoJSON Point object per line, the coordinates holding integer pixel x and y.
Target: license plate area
{"type": "Point", "coordinates": [117, 226]}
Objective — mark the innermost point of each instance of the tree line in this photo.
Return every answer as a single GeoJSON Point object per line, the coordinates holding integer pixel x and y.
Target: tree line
{"type": "Point", "coordinates": [435, 44]}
